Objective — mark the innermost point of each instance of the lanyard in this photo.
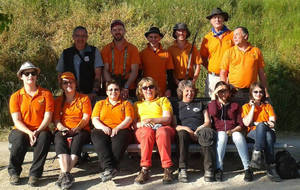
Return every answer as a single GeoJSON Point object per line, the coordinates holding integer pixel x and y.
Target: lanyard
{"type": "Point", "coordinates": [113, 61]}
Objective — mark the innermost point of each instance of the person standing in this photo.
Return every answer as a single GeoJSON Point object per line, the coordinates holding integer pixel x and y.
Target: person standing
{"type": "Point", "coordinates": [84, 61]}
{"type": "Point", "coordinates": [242, 64]}
{"type": "Point", "coordinates": [181, 50]}
{"type": "Point", "coordinates": [121, 60]}
{"type": "Point", "coordinates": [157, 62]}
{"type": "Point", "coordinates": [213, 46]}
{"type": "Point", "coordinates": [31, 109]}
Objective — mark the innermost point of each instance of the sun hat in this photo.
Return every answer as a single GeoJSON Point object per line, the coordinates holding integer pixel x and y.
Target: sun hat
{"type": "Point", "coordinates": [218, 11]}
{"type": "Point", "coordinates": [154, 29]}
{"type": "Point", "coordinates": [181, 26]}
{"type": "Point", "coordinates": [25, 66]}
{"type": "Point", "coordinates": [116, 22]}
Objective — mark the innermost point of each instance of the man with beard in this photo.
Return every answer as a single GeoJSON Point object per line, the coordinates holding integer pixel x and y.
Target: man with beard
{"type": "Point", "coordinates": [84, 61]}
{"type": "Point", "coordinates": [121, 60]}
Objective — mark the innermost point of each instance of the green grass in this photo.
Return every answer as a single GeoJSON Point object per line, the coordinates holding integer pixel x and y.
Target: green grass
{"type": "Point", "coordinates": [39, 30]}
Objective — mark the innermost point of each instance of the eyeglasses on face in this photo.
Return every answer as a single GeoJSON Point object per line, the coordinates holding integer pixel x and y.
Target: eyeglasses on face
{"type": "Point", "coordinates": [258, 91]}
{"type": "Point", "coordinates": [148, 87]}
{"type": "Point", "coordinates": [113, 90]}
{"type": "Point", "coordinates": [33, 73]}
{"type": "Point", "coordinates": [67, 82]}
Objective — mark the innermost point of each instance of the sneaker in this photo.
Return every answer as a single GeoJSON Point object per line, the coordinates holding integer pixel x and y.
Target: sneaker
{"type": "Point", "coordinates": [257, 160]}
{"type": "Point", "coordinates": [248, 175]}
{"type": "Point", "coordinates": [219, 175]}
{"type": "Point", "coordinates": [168, 176]}
{"type": "Point", "coordinates": [142, 177]}
{"type": "Point", "coordinates": [209, 176]}
{"type": "Point", "coordinates": [67, 181]}
{"type": "Point", "coordinates": [272, 173]}
{"type": "Point", "coordinates": [14, 180]}
{"type": "Point", "coordinates": [182, 176]}
{"type": "Point", "coordinates": [33, 181]}
{"type": "Point", "coordinates": [108, 174]}
{"type": "Point", "coordinates": [60, 179]}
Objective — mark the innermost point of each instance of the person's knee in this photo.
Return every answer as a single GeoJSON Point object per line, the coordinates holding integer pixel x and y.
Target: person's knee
{"type": "Point", "coordinates": [146, 133]}
{"type": "Point", "coordinates": [182, 135]}
{"type": "Point", "coordinates": [261, 127]}
{"type": "Point", "coordinates": [237, 137]}
{"type": "Point", "coordinates": [270, 138]}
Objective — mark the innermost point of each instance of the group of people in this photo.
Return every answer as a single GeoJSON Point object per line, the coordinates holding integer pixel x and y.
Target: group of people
{"type": "Point", "coordinates": [233, 66]}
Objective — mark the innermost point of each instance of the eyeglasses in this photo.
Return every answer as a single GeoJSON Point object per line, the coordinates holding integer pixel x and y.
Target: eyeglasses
{"type": "Point", "coordinates": [113, 90]}
{"type": "Point", "coordinates": [67, 82]}
{"type": "Point", "coordinates": [33, 73]}
{"type": "Point", "coordinates": [256, 92]}
{"type": "Point", "coordinates": [148, 87]}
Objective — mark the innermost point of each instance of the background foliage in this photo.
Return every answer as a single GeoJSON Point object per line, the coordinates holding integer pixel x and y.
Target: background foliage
{"type": "Point", "coordinates": [38, 30]}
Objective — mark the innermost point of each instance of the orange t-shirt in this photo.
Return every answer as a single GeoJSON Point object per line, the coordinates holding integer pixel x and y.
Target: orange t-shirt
{"type": "Point", "coordinates": [110, 115]}
{"type": "Point", "coordinates": [155, 65]}
{"type": "Point", "coordinates": [213, 48]}
{"type": "Point", "coordinates": [242, 67]}
{"type": "Point", "coordinates": [181, 58]}
{"type": "Point", "coordinates": [261, 113]}
{"type": "Point", "coordinates": [32, 109]}
{"type": "Point", "coordinates": [71, 113]}
{"type": "Point", "coordinates": [132, 57]}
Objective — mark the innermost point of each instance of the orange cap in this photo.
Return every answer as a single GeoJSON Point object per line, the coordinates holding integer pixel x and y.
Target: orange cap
{"type": "Point", "coordinates": [67, 75]}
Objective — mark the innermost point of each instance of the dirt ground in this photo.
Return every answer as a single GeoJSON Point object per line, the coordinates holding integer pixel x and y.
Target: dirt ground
{"type": "Point", "coordinates": [87, 174]}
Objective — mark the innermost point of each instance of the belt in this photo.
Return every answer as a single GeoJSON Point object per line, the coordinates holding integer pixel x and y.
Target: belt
{"type": "Point", "coordinates": [214, 74]}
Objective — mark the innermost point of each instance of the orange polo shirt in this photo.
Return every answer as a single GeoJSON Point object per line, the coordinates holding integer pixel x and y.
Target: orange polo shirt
{"type": "Point", "coordinates": [181, 57]}
{"type": "Point", "coordinates": [32, 109]}
{"type": "Point", "coordinates": [242, 67]}
{"type": "Point", "coordinates": [131, 58]}
{"type": "Point", "coordinates": [261, 113]}
{"type": "Point", "coordinates": [213, 48]}
{"type": "Point", "coordinates": [70, 114]}
{"type": "Point", "coordinates": [110, 115]}
{"type": "Point", "coordinates": [156, 64]}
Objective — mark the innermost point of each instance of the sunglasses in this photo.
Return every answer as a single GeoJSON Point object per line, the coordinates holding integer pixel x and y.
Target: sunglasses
{"type": "Point", "coordinates": [223, 91]}
{"type": "Point", "coordinates": [256, 92]}
{"type": "Point", "coordinates": [148, 87]}
{"type": "Point", "coordinates": [67, 82]}
{"type": "Point", "coordinates": [33, 73]}
{"type": "Point", "coordinates": [113, 90]}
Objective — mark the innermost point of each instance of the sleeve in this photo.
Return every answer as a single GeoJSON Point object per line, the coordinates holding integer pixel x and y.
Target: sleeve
{"type": "Point", "coordinates": [261, 63]}
{"type": "Point", "coordinates": [166, 105]}
{"type": "Point", "coordinates": [97, 109]}
{"type": "Point", "coordinates": [105, 55]}
{"type": "Point", "coordinates": [57, 108]}
{"type": "Point", "coordinates": [270, 110]}
{"type": "Point", "coordinates": [203, 49]}
{"type": "Point", "coordinates": [87, 107]}
{"type": "Point", "coordinates": [170, 64]}
{"type": "Point", "coordinates": [245, 110]}
{"type": "Point", "coordinates": [135, 57]}
{"type": "Point", "coordinates": [129, 112]}
{"type": "Point", "coordinates": [98, 59]}
{"type": "Point", "coordinates": [212, 108]}
{"type": "Point", "coordinates": [14, 103]}
{"type": "Point", "coordinates": [136, 114]}
{"type": "Point", "coordinates": [49, 102]}
{"type": "Point", "coordinates": [60, 64]}
{"type": "Point", "coordinates": [225, 60]}
{"type": "Point", "coordinates": [196, 56]}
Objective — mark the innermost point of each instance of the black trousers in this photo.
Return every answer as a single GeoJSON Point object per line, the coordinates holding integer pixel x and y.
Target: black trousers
{"type": "Point", "coordinates": [19, 146]}
{"type": "Point", "coordinates": [208, 152]}
{"type": "Point", "coordinates": [110, 150]}
{"type": "Point", "coordinates": [61, 143]}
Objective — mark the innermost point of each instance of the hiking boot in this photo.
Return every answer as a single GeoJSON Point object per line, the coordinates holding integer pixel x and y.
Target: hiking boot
{"type": "Point", "coordinates": [142, 177]}
{"type": "Point", "coordinates": [257, 160]}
{"type": "Point", "coordinates": [272, 173]}
{"type": "Point", "coordinates": [108, 174]}
{"type": "Point", "coordinates": [67, 181]}
{"type": "Point", "coordinates": [33, 181]}
{"type": "Point", "coordinates": [60, 179]}
{"type": "Point", "coordinates": [182, 176]}
{"type": "Point", "coordinates": [168, 176]}
{"type": "Point", "coordinates": [219, 175]}
{"type": "Point", "coordinates": [248, 175]}
{"type": "Point", "coordinates": [209, 176]}
{"type": "Point", "coordinates": [14, 180]}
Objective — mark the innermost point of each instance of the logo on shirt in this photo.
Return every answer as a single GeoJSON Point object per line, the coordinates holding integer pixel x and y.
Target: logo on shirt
{"type": "Point", "coordinates": [86, 59]}
{"type": "Point", "coordinates": [196, 109]}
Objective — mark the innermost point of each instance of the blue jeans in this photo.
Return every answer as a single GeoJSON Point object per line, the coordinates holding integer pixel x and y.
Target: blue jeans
{"type": "Point", "coordinates": [240, 143]}
{"type": "Point", "coordinates": [264, 138]}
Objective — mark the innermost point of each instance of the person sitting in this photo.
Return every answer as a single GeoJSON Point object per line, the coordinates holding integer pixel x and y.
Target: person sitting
{"type": "Point", "coordinates": [112, 119]}
{"type": "Point", "coordinates": [227, 119]}
{"type": "Point", "coordinates": [71, 117]}
{"type": "Point", "coordinates": [31, 109]}
{"type": "Point", "coordinates": [153, 117]}
{"type": "Point", "coordinates": [260, 119]}
{"type": "Point", "coordinates": [193, 124]}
